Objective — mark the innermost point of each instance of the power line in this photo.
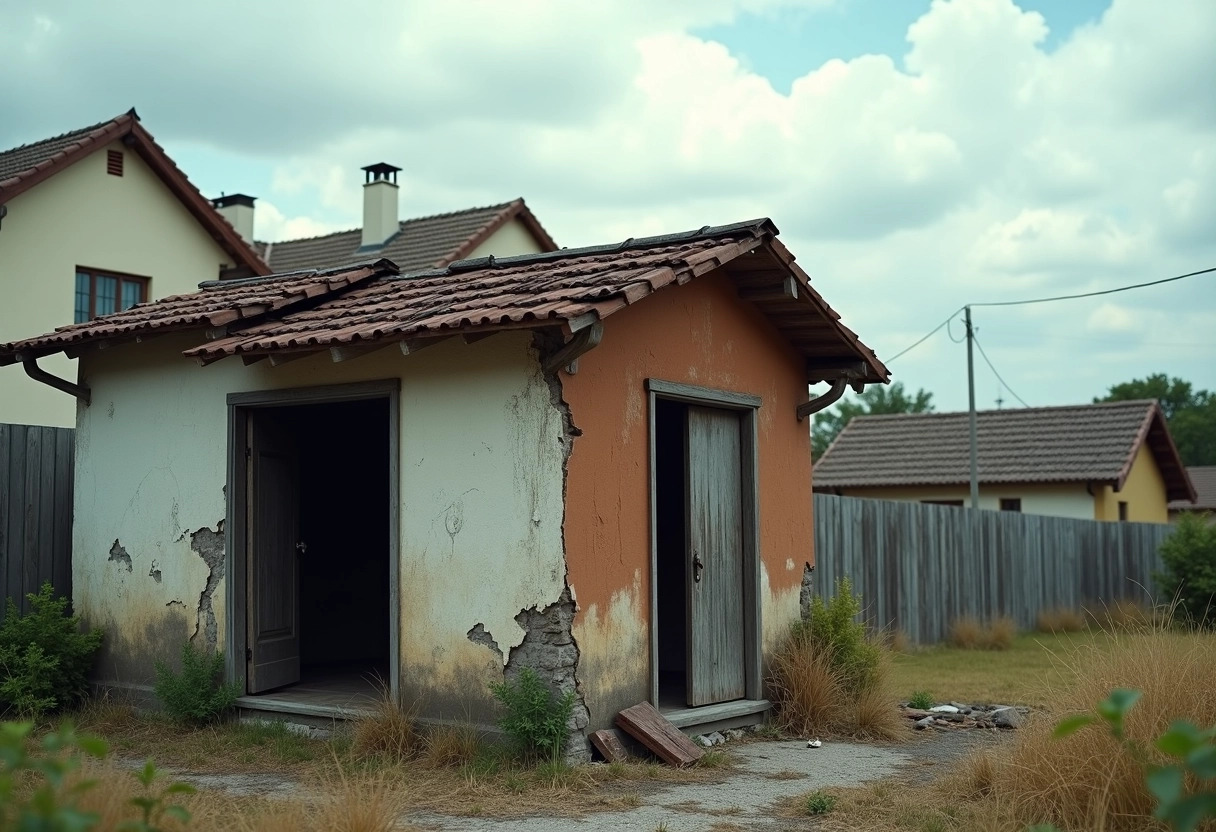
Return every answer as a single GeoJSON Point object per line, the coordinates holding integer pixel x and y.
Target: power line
{"type": "Point", "coordinates": [1095, 294]}
{"type": "Point", "coordinates": [987, 361]}
{"type": "Point", "coordinates": [954, 314]}
{"type": "Point", "coordinates": [929, 335]}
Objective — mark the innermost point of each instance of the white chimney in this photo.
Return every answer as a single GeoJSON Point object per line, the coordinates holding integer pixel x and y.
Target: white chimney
{"type": "Point", "coordinates": [379, 204]}
{"type": "Point", "coordinates": [238, 210]}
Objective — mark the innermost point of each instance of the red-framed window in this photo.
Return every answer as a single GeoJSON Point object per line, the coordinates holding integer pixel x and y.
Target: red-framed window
{"type": "Point", "coordinates": [105, 292]}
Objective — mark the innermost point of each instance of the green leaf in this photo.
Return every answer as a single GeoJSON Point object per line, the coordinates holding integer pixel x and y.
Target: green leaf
{"type": "Point", "coordinates": [1181, 739]}
{"type": "Point", "coordinates": [93, 746]}
{"type": "Point", "coordinates": [1070, 725]}
{"type": "Point", "coordinates": [178, 813]}
{"type": "Point", "coordinates": [1166, 784]}
{"type": "Point", "coordinates": [1118, 703]}
{"type": "Point", "coordinates": [179, 788]}
{"type": "Point", "coordinates": [1185, 815]}
{"type": "Point", "coordinates": [147, 774]}
{"type": "Point", "coordinates": [1202, 762]}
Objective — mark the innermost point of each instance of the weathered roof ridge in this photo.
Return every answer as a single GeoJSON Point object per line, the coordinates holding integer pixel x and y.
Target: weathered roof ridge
{"type": "Point", "coordinates": [376, 263]}
{"type": "Point", "coordinates": [79, 131]}
{"type": "Point", "coordinates": [1005, 410]}
{"type": "Point", "coordinates": [756, 227]}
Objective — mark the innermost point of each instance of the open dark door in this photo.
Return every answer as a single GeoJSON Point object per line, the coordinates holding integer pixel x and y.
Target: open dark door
{"type": "Point", "coordinates": [273, 606]}
{"type": "Point", "coordinates": [716, 652]}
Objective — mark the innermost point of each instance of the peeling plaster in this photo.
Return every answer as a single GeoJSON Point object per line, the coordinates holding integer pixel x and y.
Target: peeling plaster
{"type": "Point", "coordinates": [807, 591]}
{"type": "Point", "coordinates": [119, 555]}
{"type": "Point", "coordinates": [154, 572]}
{"type": "Point", "coordinates": [209, 545]}
{"type": "Point", "coordinates": [478, 635]}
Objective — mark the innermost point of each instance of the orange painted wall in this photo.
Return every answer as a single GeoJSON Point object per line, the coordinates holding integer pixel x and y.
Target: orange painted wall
{"type": "Point", "coordinates": [703, 334]}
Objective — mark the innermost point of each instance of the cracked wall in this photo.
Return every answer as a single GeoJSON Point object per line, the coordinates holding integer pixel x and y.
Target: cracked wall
{"type": "Point", "coordinates": [481, 469]}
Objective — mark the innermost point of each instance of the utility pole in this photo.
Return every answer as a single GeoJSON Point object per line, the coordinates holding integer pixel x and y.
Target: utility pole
{"type": "Point", "coordinates": [975, 476]}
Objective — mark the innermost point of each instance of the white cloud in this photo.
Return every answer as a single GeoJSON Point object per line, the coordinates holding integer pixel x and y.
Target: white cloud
{"type": "Point", "coordinates": [977, 167]}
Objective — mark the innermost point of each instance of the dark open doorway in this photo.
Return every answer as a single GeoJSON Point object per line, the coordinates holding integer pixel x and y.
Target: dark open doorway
{"type": "Point", "coordinates": [318, 544]}
{"type": "Point", "coordinates": [671, 545]}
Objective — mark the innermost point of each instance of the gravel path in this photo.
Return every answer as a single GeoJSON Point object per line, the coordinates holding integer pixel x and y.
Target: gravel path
{"type": "Point", "coordinates": [767, 772]}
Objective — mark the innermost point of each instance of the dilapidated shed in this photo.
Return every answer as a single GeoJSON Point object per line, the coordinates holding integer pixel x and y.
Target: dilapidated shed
{"type": "Point", "coordinates": [592, 462]}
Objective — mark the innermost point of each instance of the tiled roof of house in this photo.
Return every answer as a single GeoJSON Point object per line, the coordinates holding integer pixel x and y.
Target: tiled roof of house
{"type": "Point", "coordinates": [24, 167]}
{"type": "Point", "coordinates": [1203, 477]}
{"type": "Point", "coordinates": [375, 304]}
{"type": "Point", "coordinates": [422, 243]}
{"type": "Point", "coordinates": [1076, 443]}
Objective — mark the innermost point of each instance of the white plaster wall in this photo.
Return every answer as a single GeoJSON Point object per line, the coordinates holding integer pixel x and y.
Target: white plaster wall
{"type": "Point", "coordinates": [82, 216]}
{"type": "Point", "coordinates": [513, 238]}
{"type": "Point", "coordinates": [480, 487]}
{"type": "Point", "coordinates": [1064, 500]}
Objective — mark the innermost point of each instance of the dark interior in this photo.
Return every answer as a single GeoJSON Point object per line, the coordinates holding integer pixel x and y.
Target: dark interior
{"type": "Point", "coordinates": [670, 537]}
{"type": "Point", "coordinates": [344, 520]}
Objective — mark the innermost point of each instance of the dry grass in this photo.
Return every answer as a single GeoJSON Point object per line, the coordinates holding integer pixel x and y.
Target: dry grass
{"type": "Point", "coordinates": [899, 642]}
{"type": "Point", "coordinates": [1060, 620]}
{"type": "Point", "coordinates": [1123, 615]}
{"type": "Point", "coordinates": [450, 746]}
{"type": "Point", "coordinates": [813, 698]}
{"type": "Point", "coordinates": [389, 732]}
{"type": "Point", "coordinates": [969, 633]}
{"type": "Point", "coordinates": [1085, 782]}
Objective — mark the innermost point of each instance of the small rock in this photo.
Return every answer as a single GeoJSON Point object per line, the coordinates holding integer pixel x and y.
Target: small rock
{"type": "Point", "coordinates": [944, 709]}
{"type": "Point", "coordinates": [950, 717]}
{"type": "Point", "coordinates": [734, 734]}
{"type": "Point", "coordinates": [814, 744]}
{"type": "Point", "coordinates": [710, 740]}
{"type": "Point", "coordinates": [962, 709]}
{"type": "Point", "coordinates": [922, 724]}
{"type": "Point", "coordinates": [1007, 718]}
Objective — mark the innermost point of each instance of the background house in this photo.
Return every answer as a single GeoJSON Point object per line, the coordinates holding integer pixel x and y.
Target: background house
{"type": "Point", "coordinates": [1203, 478]}
{"type": "Point", "coordinates": [99, 219]}
{"type": "Point", "coordinates": [1109, 461]}
{"type": "Point", "coordinates": [91, 222]}
{"type": "Point", "coordinates": [590, 462]}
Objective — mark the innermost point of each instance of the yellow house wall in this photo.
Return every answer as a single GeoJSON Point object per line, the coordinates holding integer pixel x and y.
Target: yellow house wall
{"type": "Point", "coordinates": [1053, 500]}
{"type": "Point", "coordinates": [1143, 491]}
{"type": "Point", "coordinates": [513, 238]}
{"type": "Point", "coordinates": [82, 216]}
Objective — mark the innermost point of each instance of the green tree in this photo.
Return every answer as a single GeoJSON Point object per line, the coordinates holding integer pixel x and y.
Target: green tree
{"type": "Point", "coordinates": [877, 398]}
{"type": "Point", "coordinates": [1190, 413]}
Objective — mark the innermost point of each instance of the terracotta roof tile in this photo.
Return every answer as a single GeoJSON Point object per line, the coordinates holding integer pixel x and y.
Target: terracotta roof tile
{"type": "Point", "coordinates": [376, 303]}
{"type": "Point", "coordinates": [20, 160]}
{"type": "Point", "coordinates": [421, 243]}
{"type": "Point", "coordinates": [1076, 443]}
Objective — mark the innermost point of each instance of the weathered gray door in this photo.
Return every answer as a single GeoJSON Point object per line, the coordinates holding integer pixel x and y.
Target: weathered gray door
{"type": "Point", "coordinates": [716, 653]}
{"type": "Point", "coordinates": [274, 528]}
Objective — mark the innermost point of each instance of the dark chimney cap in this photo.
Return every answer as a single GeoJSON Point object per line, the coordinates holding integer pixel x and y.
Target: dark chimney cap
{"type": "Point", "coordinates": [381, 171]}
{"type": "Point", "coordinates": [233, 199]}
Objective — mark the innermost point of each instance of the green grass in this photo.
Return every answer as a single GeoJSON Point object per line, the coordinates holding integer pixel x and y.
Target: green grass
{"type": "Point", "coordinates": [1009, 677]}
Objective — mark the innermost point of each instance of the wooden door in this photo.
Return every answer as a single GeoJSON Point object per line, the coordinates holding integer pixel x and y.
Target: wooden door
{"type": "Point", "coordinates": [716, 652]}
{"type": "Point", "coordinates": [274, 532]}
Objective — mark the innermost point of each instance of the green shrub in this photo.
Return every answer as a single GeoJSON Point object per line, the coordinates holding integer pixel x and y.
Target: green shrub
{"type": "Point", "coordinates": [196, 695]}
{"type": "Point", "coordinates": [44, 657]}
{"type": "Point", "coordinates": [819, 803]}
{"type": "Point", "coordinates": [922, 700]}
{"type": "Point", "coordinates": [534, 717]}
{"type": "Point", "coordinates": [1189, 554]}
{"type": "Point", "coordinates": [832, 629]}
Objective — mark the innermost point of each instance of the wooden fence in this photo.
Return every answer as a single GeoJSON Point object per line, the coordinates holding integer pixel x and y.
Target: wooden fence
{"type": "Point", "coordinates": [920, 566]}
{"type": "Point", "coordinates": [36, 467]}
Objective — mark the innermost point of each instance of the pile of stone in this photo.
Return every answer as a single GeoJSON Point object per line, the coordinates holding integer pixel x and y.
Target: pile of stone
{"type": "Point", "coordinates": [953, 715]}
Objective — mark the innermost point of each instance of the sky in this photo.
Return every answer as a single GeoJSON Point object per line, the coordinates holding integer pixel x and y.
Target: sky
{"type": "Point", "coordinates": [916, 155]}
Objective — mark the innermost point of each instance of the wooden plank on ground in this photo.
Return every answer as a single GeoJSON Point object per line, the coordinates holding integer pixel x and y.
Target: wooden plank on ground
{"type": "Point", "coordinates": [651, 728]}
{"type": "Point", "coordinates": [608, 742]}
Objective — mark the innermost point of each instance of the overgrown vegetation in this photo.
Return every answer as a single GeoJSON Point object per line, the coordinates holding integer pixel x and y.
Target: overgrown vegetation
{"type": "Point", "coordinates": [534, 717]}
{"type": "Point", "coordinates": [819, 803]}
{"type": "Point", "coordinates": [921, 699]}
{"type": "Point", "coordinates": [197, 694]}
{"type": "Point", "coordinates": [42, 791]}
{"type": "Point", "coordinates": [969, 633]}
{"type": "Point", "coordinates": [44, 657]}
{"type": "Point", "coordinates": [1189, 554]}
{"type": "Point", "coordinates": [829, 678]}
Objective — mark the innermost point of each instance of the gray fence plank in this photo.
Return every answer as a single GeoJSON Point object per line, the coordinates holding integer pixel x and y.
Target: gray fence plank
{"type": "Point", "coordinates": [36, 470]}
{"type": "Point", "coordinates": [918, 566]}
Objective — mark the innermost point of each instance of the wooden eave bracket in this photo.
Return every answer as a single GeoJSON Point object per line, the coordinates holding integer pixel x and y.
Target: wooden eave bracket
{"type": "Point", "coordinates": [820, 402]}
{"type": "Point", "coordinates": [35, 372]}
{"type": "Point", "coordinates": [583, 341]}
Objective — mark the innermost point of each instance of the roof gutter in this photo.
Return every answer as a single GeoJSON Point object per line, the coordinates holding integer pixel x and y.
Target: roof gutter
{"type": "Point", "coordinates": [826, 400]}
{"type": "Point", "coordinates": [38, 374]}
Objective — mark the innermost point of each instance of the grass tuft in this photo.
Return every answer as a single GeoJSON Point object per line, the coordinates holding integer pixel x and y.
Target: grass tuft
{"type": "Point", "coordinates": [388, 731]}
{"type": "Point", "coordinates": [445, 746]}
{"type": "Point", "coordinates": [922, 700]}
{"type": "Point", "coordinates": [818, 803]}
{"type": "Point", "coordinates": [969, 633]}
{"type": "Point", "coordinates": [1060, 620]}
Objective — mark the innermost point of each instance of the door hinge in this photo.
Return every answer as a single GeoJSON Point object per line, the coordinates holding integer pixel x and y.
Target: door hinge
{"type": "Point", "coordinates": [248, 654]}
